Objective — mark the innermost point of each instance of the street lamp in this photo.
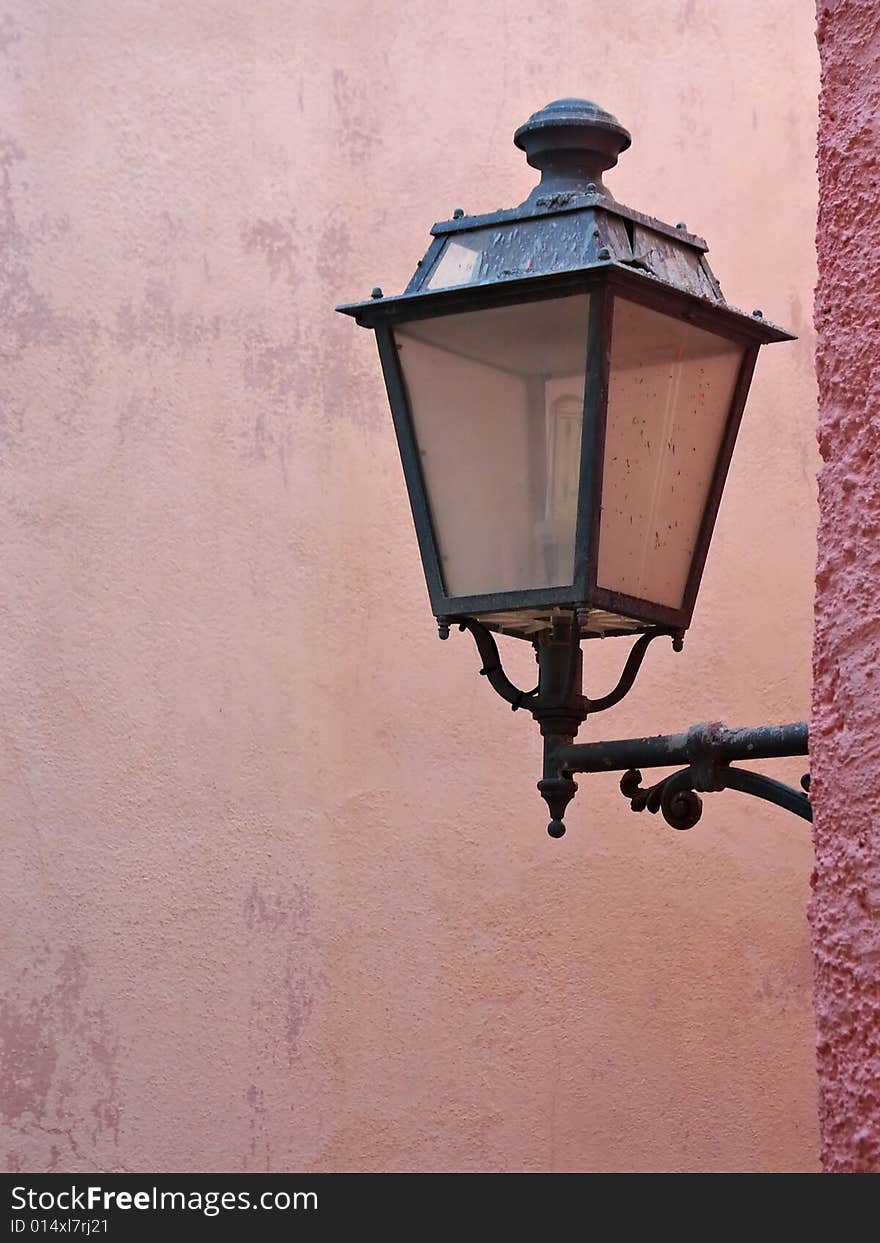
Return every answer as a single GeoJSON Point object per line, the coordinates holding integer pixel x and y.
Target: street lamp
{"type": "Point", "coordinates": [567, 383]}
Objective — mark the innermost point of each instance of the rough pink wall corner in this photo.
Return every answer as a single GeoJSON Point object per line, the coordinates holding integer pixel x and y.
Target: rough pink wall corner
{"type": "Point", "coordinates": [845, 744]}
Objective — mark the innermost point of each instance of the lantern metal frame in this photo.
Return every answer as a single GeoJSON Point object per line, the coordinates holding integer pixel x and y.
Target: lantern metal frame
{"type": "Point", "coordinates": [604, 281]}
{"type": "Point", "coordinates": [571, 237]}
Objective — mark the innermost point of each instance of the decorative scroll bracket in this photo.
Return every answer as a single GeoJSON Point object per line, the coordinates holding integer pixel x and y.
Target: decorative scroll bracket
{"type": "Point", "coordinates": [708, 750]}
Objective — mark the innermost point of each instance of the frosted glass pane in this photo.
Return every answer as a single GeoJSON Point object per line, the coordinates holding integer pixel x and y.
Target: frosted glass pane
{"type": "Point", "coordinates": [670, 392]}
{"type": "Point", "coordinates": [496, 398]}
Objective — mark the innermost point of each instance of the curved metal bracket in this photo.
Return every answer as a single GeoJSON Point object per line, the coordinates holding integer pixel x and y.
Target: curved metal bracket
{"type": "Point", "coordinates": [492, 668]}
{"type": "Point", "coordinates": [675, 796]}
{"type": "Point", "coordinates": [767, 788]}
{"type": "Point", "coordinates": [502, 685]}
{"type": "Point", "coordinates": [631, 669]}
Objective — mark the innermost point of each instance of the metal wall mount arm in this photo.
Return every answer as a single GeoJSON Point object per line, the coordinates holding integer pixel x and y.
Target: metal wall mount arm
{"type": "Point", "coordinates": [707, 751]}
{"type": "Point", "coordinates": [492, 668]}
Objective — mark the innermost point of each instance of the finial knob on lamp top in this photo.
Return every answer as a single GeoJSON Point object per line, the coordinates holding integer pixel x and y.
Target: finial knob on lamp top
{"type": "Point", "coordinates": [573, 142]}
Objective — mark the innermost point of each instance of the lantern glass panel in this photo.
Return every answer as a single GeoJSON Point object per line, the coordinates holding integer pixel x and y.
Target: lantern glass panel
{"type": "Point", "coordinates": [670, 393]}
{"type": "Point", "coordinates": [496, 398]}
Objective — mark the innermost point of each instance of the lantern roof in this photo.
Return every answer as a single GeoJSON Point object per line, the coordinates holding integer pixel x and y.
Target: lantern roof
{"type": "Point", "coordinates": [569, 223]}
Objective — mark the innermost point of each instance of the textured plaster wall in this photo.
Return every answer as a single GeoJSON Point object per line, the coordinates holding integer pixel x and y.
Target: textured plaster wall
{"type": "Point", "coordinates": [276, 885]}
{"type": "Point", "coordinates": [845, 911]}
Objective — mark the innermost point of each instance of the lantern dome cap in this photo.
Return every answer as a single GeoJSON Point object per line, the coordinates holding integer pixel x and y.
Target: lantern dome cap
{"type": "Point", "coordinates": [572, 140]}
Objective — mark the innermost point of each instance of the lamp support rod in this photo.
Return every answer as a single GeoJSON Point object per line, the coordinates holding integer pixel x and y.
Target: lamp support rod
{"type": "Point", "coordinates": [708, 752]}
{"type": "Point", "coordinates": [702, 744]}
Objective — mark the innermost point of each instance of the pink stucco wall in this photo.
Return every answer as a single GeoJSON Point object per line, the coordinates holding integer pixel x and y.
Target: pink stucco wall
{"type": "Point", "coordinates": [277, 887]}
{"type": "Point", "coordinates": [845, 911]}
